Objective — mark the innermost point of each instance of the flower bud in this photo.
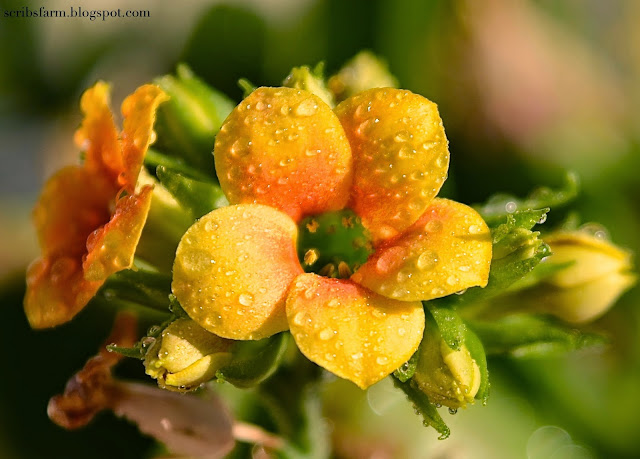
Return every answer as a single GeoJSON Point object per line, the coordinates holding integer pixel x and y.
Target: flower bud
{"type": "Point", "coordinates": [189, 121]}
{"type": "Point", "coordinates": [587, 288]}
{"type": "Point", "coordinates": [312, 81]}
{"type": "Point", "coordinates": [186, 355]}
{"type": "Point", "coordinates": [364, 71]}
{"type": "Point", "coordinates": [447, 376]}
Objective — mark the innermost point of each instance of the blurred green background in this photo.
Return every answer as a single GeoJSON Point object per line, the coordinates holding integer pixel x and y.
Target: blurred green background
{"type": "Point", "coordinates": [526, 89]}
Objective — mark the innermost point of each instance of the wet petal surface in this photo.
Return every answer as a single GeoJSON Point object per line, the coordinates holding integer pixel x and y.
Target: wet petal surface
{"type": "Point", "coordinates": [447, 250]}
{"type": "Point", "coordinates": [285, 148]}
{"type": "Point", "coordinates": [400, 156]}
{"type": "Point", "coordinates": [233, 269]}
{"type": "Point", "coordinates": [351, 331]}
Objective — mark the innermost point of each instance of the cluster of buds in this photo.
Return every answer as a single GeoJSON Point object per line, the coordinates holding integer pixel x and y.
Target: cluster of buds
{"type": "Point", "coordinates": [313, 233]}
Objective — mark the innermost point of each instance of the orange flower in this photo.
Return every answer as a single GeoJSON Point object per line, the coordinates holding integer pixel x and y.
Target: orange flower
{"type": "Point", "coordinates": [283, 154]}
{"type": "Point", "coordinates": [89, 217]}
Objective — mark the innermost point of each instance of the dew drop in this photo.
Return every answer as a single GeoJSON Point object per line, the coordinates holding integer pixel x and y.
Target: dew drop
{"type": "Point", "coordinates": [328, 356]}
{"type": "Point", "coordinates": [326, 334]}
{"type": "Point", "coordinates": [356, 356]}
{"type": "Point", "coordinates": [452, 280]}
{"type": "Point", "coordinates": [382, 360]}
{"type": "Point", "coordinates": [542, 219]}
{"type": "Point", "coordinates": [510, 207]}
{"type": "Point", "coordinates": [300, 318]}
{"type": "Point", "coordinates": [475, 229]}
{"type": "Point", "coordinates": [427, 260]}
{"type": "Point", "coordinates": [245, 299]}
{"type": "Point", "coordinates": [433, 226]}
{"type": "Point", "coordinates": [307, 107]}
{"type": "Point", "coordinates": [402, 136]}
{"type": "Point", "coordinates": [211, 225]}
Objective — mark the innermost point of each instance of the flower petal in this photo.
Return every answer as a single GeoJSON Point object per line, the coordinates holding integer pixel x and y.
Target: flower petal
{"type": "Point", "coordinates": [285, 148]}
{"type": "Point", "coordinates": [447, 250]}
{"type": "Point", "coordinates": [111, 247]}
{"type": "Point", "coordinates": [98, 136]}
{"type": "Point", "coordinates": [64, 218]}
{"type": "Point", "coordinates": [139, 111]}
{"type": "Point", "coordinates": [351, 331]}
{"type": "Point", "coordinates": [400, 157]}
{"type": "Point", "coordinates": [233, 269]}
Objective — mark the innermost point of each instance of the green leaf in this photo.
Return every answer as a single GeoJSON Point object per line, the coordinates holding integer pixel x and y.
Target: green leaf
{"type": "Point", "coordinates": [476, 349]}
{"type": "Point", "coordinates": [147, 288]}
{"type": "Point", "coordinates": [258, 364]}
{"type": "Point", "coordinates": [154, 158]}
{"type": "Point", "coordinates": [524, 335]}
{"type": "Point", "coordinates": [131, 352]}
{"type": "Point", "coordinates": [499, 206]}
{"type": "Point", "coordinates": [424, 407]}
{"type": "Point", "coordinates": [406, 371]}
{"type": "Point", "coordinates": [189, 121]}
{"type": "Point", "coordinates": [449, 323]}
{"type": "Point", "coordinates": [197, 196]}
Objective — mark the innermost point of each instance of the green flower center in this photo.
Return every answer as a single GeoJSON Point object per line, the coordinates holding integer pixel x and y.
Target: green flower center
{"type": "Point", "coordinates": [333, 244]}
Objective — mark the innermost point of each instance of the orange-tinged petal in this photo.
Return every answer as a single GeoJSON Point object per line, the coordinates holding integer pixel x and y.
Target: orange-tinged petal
{"type": "Point", "coordinates": [351, 331]}
{"type": "Point", "coordinates": [64, 218]}
{"type": "Point", "coordinates": [111, 247]}
{"type": "Point", "coordinates": [73, 203]}
{"type": "Point", "coordinates": [447, 250]}
{"type": "Point", "coordinates": [233, 269]}
{"type": "Point", "coordinates": [285, 148]}
{"type": "Point", "coordinates": [98, 136]}
{"type": "Point", "coordinates": [139, 111]}
{"type": "Point", "coordinates": [56, 291]}
{"type": "Point", "coordinates": [400, 157]}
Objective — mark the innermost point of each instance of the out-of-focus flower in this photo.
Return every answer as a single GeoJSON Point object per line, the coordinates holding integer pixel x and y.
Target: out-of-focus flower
{"type": "Point", "coordinates": [449, 377]}
{"type": "Point", "coordinates": [89, 218]}
{"type": "Point", "coordinates": [283, 154]}
{"type": "Point", "coordinates": [586, 289]}
{"type": "Point", "coordinates": [186, 355]}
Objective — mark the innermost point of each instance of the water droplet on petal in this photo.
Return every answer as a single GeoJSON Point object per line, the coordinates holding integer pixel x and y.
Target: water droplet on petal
{"type": "Point", "coordinates": [245, 299]}
{"type": "Point", "coordinates": [326, 334]}
{"type": "Point", "coordinates": [433, 226]}
{"type": "Point", "coordinates": [382, 360]}
{"type": "Point", "coordinates": [427, 260]}
{"type": "Point", "coordinates": [307, 107]}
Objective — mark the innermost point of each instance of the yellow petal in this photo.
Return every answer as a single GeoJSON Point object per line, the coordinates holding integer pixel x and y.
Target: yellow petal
{"type": "Point", "coordinates": [233, 268]}
{"type": "Point", "coordinates": [285, 148]}
{"type": "Point", "coordinates": [448, 249]}
{"type": "Point", "coordinates": [400, 156]}
{"type": "Point", "coordinates": [351, 331]}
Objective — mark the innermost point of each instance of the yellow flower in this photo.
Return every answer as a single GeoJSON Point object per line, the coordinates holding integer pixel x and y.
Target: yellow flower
{"type": "Point", "coordinates": [186, 355]}
{"type": "Point", "coordinates": [282, 155]}
{"type": "Point", "coordinates": [586, 289]}
{"type": "Point", "coordinates": [89, 217]}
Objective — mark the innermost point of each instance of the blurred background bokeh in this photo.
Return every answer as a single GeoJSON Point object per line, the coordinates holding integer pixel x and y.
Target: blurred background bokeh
{"type": "Point", "coordinates": [526, 88]}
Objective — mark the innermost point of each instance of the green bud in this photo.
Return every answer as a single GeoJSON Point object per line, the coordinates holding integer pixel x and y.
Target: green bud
{"type": "Point", "coordinates": [304, 78]}
{"type": "Point", "coordinates": [518, 244]}
{"type": "Point", "coordinates": [448, 377]}
{"type": "Point", "coordinates": [189, 121]}
{"type": "Point", "coordinates": [186, 355]}
{"type": "Point", "coordinates": [166, 223]}
{"type": "Point", "coordinates": [364, 71]}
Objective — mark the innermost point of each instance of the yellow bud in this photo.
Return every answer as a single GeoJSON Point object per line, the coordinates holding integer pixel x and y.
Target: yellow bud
{"type": "Point", "coordinates": [186, 355]}
{"type": "Point", "coordinates": [598, 275]}
{"type": "Point", "coordinates": [447, 376]}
